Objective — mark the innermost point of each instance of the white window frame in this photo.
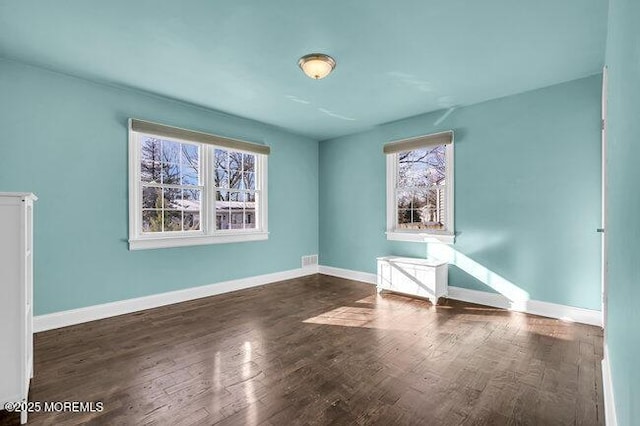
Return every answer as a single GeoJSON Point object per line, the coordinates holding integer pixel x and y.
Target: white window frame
{"type": "Point", "coordinates": [393, 233]}
{"type": "Point", "coordinates": [208, 233]}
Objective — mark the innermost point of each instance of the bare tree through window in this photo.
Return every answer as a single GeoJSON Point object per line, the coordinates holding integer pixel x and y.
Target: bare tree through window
{"type": "Point", "coordinates": [171, 187]}
{"type": "Point", "coordinates": [235, 179]}
{"type": "Point", "coordinates": [421, 188]}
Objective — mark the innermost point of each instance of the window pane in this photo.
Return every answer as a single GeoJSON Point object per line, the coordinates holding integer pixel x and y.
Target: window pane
{"type": "Point", "coordinates": [420, 198]}
{"type": "Point", "coordinates": [250, 196]}
{"type": "Point", "coordinates": [236, 218]}
{"type": "Point", "coordinates": [152, 221]}
{"type": "Point", "coordinates": [235, 179]}
{"type": "Point", "coordinates": [249, 163]}
{"type": "Point", "coordinates": [221, 178]}
{"type": "Point", "coordinates": [191, 221]}
{"type": "Point", "coordinates": [191, 199]}
{"type": "Point", "coordinates": [249, 180]}
{"type": "Point", "coordinates": [411, 219]}
{"type": "Point", "coordinates": [150, 171]}
{"type": "Point", "coordinates": [235, 196]}
{"type": "Point", "coordinates": [190, 175]}
{"type": "Point", "coordinates": [437, 165]}
{"type": "Point", "coordinates": [416, 218]}
{"type": "Point", "coordinates": [235, 161]}
{"type": "Point", "coordinates": [222, 196]}
{"type": "Point", "coordinates": [151, 197]}
{"type": "Point", "coordinates": [172, 198]}
{"type": "Point", "coordinates": [249, 216]}
{"type": "Point", "coordinates": [170, 152]}
{"type": "Point", "coordinates": [222, 214]}
{"type": "Point", "coordinates": [221, 220]}
{"type": "Point", "coordinates": [190, 155]}
{"type": "Point", "coordinates": [170, 174]}
{"type": "Point", "coordinates": [404, 199]}
{"type": "Point", "coordinates": [432, 219]}
{"type": "Point", "coordinates": [150, 150]}
{"type": "Point", "coordinates": [172, 220]}
{"type": "Point", "coordinates": [220, 159]}
{"type": "Point", "coordinates": [404, 217]}
{"type": "Point", "coordinates": [435, 214]}
{"type": "Point", "coordinates": [410, 168]}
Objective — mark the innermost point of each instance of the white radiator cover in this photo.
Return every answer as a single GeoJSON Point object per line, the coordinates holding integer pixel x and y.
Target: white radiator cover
{"type": "Point", "coordinates": [426, 278]}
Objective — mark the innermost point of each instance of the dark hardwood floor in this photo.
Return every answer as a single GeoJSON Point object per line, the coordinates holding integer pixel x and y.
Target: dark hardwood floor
{"type": "Point", "coordinates": [321, 350]}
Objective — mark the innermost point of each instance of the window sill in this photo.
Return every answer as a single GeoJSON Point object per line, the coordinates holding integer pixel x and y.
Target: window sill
{"type": "Point", "coordinates": [199, 240]}
{"type": "Point", "coordinates": [444, 238]}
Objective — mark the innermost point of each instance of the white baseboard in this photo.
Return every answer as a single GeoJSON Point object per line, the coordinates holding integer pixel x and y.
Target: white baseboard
{"type": "Point", "coordinates": [535, 307]}
{"type": "Point", "coordinates": [96, 312]}
{"type": "Point", "coordinates": [365, 277]}
{"type": "Point", "coordinates": [609, 404]}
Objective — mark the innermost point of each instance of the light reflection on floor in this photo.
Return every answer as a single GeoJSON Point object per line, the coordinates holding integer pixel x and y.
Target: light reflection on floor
{"type": "Point", "coordinates": [378, 312]}
{"type": "Point", "coordinates": [249, 392]}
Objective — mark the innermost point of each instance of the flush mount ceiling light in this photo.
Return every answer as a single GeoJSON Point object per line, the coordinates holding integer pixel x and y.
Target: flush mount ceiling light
{"type": "Point", "coordinates": [317, 65]}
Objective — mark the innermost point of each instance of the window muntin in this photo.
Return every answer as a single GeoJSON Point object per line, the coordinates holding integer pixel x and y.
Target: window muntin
{"type": "Point", "coordinates": [420, 189]}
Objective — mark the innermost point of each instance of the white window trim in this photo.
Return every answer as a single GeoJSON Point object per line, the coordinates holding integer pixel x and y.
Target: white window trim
{"type": "Point", "coordinates": [208, 234]}
{"type": "Point", "coordinates": [394, 234]}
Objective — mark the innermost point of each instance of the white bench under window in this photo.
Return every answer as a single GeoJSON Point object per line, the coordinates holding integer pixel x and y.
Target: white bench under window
{"type": "Point", "coordinates": [425, 278]}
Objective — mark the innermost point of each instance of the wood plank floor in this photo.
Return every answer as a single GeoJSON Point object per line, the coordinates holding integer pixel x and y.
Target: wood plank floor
{"type": "Point", "coordinates": [321, 350]}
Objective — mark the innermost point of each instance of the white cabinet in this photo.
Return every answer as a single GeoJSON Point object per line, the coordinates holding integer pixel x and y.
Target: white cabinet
{"type": "Point", "coordinates": [417, 277]}
{"type": "Point", "coordinates": [16, 299]}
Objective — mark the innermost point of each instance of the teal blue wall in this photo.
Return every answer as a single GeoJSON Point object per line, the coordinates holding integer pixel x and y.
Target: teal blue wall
{"type": "Point", "coordinates": [623, 207]}
{"type": "Point", "coordinates": [65, 139]}
{"type": "Point", "coordinates": [527, 201]}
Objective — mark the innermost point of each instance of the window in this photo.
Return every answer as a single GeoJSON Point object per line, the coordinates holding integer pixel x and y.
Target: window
{"type": "Point", "coordinates": [191, 188]}
{"type": "Point", "coordinates": [420, 189]}
{"type": "Point", "coordinates": [236, 192]}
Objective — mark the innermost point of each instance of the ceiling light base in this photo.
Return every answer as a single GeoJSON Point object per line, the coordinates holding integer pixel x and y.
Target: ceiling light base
{"type": "Point", "coordinates": [317, 65]}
